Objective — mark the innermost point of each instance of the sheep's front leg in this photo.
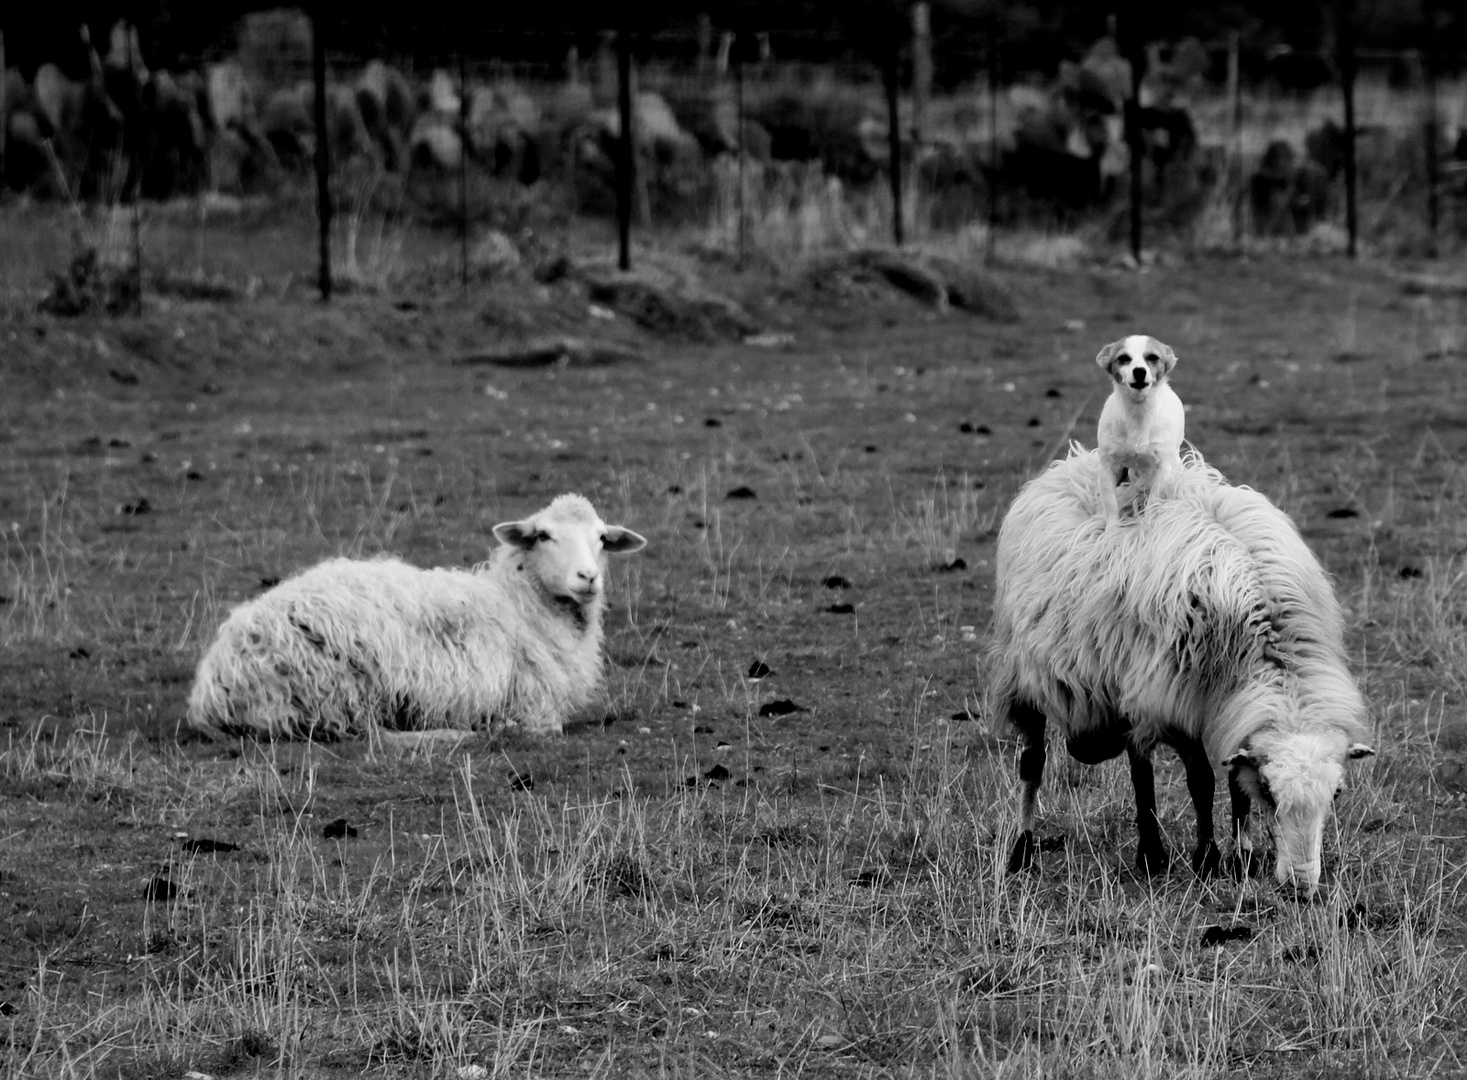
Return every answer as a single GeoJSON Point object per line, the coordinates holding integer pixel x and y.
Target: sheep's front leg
{"type": "Point", "coordinates": [1243, 863]}
{"type": "Point", "coordinates": [1151, 856]}
{"type": "Point", "coordinates": [1030, 724]}
{"type": "Point", "coordinates": [1201, 784]}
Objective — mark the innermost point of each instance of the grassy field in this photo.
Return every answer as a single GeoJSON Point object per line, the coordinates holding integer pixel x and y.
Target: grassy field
{"type": "Point", "coordinates": [692, 883]}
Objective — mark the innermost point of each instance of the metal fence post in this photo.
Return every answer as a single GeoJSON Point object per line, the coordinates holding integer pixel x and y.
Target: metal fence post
{"type": "Point", "coordinates": [1136, 53]}
{"type": "Point", "coordinates": [4, 112]}
{"type": "Point", "coordinates": [323, 150]}
{"type": "Point", "coordinates": [626, 160]}
{"type": "Point", "coordinates": [1433, 118]}
{"type": "Point", "coordinates": [894, 139]}
{"type": "Point", "coordinates": [1345, 38]}
{"type": "Point", "coordinates": [463, 171]}
{"type": "Point", "coordinates": [738, 67]}
{"type": "Point", "coordinates": [993, 163]}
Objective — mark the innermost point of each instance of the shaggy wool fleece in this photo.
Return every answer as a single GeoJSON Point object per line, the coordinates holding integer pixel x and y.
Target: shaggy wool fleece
{"type": "Point", "coordinates": [1207, 613]}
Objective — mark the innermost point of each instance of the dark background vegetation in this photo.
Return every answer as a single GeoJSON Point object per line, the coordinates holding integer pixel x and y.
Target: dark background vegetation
{"type": "Point", "coordinates": [1289, 40]}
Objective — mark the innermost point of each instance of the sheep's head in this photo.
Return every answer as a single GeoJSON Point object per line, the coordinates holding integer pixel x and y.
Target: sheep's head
{"type": "Point", "coordinates": [1295, 777]}
{"type": "Point", "coordinates": [564, 547]}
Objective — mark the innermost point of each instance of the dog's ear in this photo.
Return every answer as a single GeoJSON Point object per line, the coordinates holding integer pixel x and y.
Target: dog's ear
{"type": "Point", "coordinates": [1168, 357]}
{"type": "Point", "coordinates": [1106, 355]}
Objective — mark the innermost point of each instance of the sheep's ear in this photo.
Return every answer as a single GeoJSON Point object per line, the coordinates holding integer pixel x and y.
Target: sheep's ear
{"type": "Point", "coordinates": [1241, 756]}
{"type": "Point", "coordinates": [1168, 357]}
{"type": "Point", "coordinates": [620, 541]}
{"type": "Point", "coordinates": [1359, 750]}
{"type": "Point", "coordinates": [1107, 354]}
{"type": "Point", "coordinates": [519, 534]}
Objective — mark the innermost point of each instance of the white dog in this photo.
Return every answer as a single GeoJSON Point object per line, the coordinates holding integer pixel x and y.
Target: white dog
{"type": "Point", "coordinates": [1142, 424]}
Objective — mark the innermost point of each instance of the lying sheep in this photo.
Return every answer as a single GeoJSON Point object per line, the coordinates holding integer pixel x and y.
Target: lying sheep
{"type": "Point", "coordinates": [350, 645]}
{"type": "Point", "coordinates": [1209, 627]}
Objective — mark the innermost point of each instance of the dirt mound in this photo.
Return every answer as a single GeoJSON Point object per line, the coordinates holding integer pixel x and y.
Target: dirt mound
{"type": "Point", "coordinates": [934, 281]}
{"type": "Point", "coordinates": [551, 352]}
{"type": "Point", "coordinates": [681, 309]}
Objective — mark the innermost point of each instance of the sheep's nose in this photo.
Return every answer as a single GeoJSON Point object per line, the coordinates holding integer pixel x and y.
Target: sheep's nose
{"type": "Point", "coordinates": [588, 576]}
{"type": "Point", "coordinates": [1300, 882]}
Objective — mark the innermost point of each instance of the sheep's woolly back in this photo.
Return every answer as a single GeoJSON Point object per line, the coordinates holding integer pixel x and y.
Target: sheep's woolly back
{"type": "Point", "coordinates": [1207, 614]}
{"type": "Point", "coordinates": [350, 644]}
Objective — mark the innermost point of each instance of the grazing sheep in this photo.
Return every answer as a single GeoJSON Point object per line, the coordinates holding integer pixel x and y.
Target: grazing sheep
{"type": "Point", "coordinates": [1209, 627]}
{"type": "Point", "coordinates": [351, 645]}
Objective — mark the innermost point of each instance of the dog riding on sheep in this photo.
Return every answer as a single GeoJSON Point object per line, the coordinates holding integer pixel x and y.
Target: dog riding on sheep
{"type": "Point", "coordinates": [351, 645]}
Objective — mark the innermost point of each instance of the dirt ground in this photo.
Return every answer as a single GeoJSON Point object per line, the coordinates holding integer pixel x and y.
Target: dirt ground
{"type": "Point", "coordinates": [823, 501]}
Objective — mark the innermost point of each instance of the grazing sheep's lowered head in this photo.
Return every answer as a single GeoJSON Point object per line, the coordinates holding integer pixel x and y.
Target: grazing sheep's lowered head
{"type": "Point", "coordinates": [1296, 775]}
{"type": "Point", "coordinates": [563, 549]}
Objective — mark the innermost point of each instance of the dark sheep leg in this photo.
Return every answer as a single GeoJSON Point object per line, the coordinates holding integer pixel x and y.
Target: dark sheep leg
{"type": "Point", "coordinates": [1201, 784]}
{"type": "Point", "coordinates": [1030, 724]}
{"type": "Point", "coordinates": [1151, 856]}
{"type": "Point", "coordinates": [1243, 863]}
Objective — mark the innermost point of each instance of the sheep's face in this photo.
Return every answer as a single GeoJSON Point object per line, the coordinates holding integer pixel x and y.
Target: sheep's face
{"type": "Point", "coordinates": [1296, 779]}
{"type": "Point", "coordinates": [1137, 363]}
{"type": "Point", "coordinates": [565, 546]}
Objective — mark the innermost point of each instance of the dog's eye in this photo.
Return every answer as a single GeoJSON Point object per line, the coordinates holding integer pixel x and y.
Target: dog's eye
{"type": "Point", "coordinates": [1152, 358]}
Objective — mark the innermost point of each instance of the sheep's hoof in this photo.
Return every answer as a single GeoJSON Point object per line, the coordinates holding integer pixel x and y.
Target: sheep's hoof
{"type": "Point", "coordinates": [1206, 860]}
{"type": "Point", "coordinates": [1022, 856]}
{"type": "Point", "coordinates": [1152, 862]}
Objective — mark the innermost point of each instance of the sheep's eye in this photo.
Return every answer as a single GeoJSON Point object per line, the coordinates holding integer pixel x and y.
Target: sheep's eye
{"type": "Point", "coordinates": [541, 536]}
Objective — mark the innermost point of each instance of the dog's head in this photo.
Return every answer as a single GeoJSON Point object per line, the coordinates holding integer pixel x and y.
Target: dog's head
{"type": "Point", "coordinates": [1137, 362]}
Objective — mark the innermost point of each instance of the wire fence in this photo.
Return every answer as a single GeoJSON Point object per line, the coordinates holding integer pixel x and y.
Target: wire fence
{"type": "Point", "coordinates": [1133, 145]}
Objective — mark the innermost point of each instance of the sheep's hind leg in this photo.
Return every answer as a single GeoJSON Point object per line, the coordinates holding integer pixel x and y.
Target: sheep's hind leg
{"type": "Point", "coordinates": [1030, 724]}
{"type": "Point", "coordinates": [1201, 783]}
{"type": "Point", "coordinates": [1151, 856]}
